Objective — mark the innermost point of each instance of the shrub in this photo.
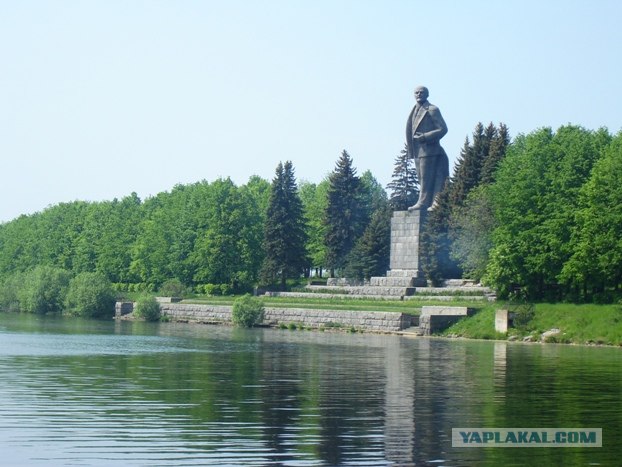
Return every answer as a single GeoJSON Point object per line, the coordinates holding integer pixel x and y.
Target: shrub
{"type": "Point", "coordinates": [172, 288]}
{"type": "Point", "coordinates": [247, 311]}
{"type": "Point", "coordinates": [43, 290]}
{"type": "Point", "coordinates": [523, 314]}
{"type": "Point", "coordinates": [9, 300]}
{"type": "Point", "coordinates": [91, 295]}
{"type": "Point", "coordinates": [147, 308]}
{"type": "Point", "coordinates": [211, 289]}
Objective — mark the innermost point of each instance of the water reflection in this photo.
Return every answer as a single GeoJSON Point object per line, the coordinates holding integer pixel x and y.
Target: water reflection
{"type": "Point", "coordinates": [93, 393]}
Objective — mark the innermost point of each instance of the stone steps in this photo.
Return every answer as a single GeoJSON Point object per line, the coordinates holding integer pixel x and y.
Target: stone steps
{"type": "Point", "coordinates": [469, 292]}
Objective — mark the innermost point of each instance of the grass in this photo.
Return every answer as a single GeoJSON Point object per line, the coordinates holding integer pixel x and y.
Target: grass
{"type": "Point", "coordinates": [578, 324]}
{"type": "Point", "coordinates": [581, 324]}
{"type": "Point", "coordinates": [346, 304]}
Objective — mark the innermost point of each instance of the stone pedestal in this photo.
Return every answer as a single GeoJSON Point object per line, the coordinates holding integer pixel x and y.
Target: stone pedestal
{"type": "Point", "coordinates": [501, 321]}
{"type": "Point", "coordinates": [405, 262]}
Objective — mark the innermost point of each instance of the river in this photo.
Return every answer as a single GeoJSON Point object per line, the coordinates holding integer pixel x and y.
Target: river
{"type": "Point", "coordinates": [78, 392]}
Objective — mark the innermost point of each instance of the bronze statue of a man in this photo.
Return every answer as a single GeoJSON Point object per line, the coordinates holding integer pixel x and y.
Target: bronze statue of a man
{"type": "Point", "coordinates": [424, 129]}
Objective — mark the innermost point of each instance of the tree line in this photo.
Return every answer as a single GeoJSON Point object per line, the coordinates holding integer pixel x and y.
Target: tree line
{"type": "Point", "coordinates": [216, 237]}
{"type": "Point", "coordinates": [540, 214]}
{"type": "Point", "coordinates": [539, 218]}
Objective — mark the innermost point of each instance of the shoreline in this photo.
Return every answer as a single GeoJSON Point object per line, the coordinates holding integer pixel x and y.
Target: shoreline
{"type": "Point", "coordinates": [409, 335]}
{"type": "Point", "coordinates": [376, 322]}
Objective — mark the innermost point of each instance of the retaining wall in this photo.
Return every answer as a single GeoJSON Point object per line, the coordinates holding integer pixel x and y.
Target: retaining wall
{"type": "Point", "coordinates": [372, 321]}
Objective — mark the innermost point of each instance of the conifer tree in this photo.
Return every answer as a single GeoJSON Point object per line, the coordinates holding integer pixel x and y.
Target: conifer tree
{"type": "Point", "coordinates": [342, 217]}
{"type": "Point", "coordinates": [370, 255]}
{"type": "Point", "coordinates": [476, 166]}
{"type": "Point", "coordinates": [498, 145]}
{"type": "Point", "coordinates": [436, 262]}
{"type": "Point", "coordinates": [285, 236]}
{"type": "Point", "coordinates": [468, 167]}
{"type": "Point", "coordinates": [404, 185]}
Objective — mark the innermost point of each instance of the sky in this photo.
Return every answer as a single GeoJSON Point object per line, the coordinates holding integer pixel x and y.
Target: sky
{"type": "Point", "coordinates": [102, 98]}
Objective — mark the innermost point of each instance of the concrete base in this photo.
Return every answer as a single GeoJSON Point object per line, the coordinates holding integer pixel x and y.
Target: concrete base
{"type": "Point", "coordinates": [437, 318]}
{"type": "Point", "coordinates": [406, 229]}
{"type": "Point", "coordinates": [501, 321]}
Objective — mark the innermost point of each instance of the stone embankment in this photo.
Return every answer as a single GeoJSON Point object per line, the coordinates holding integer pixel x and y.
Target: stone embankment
{"type": "Point", "coordinates": [368, 321]}
{"type": "Point", "coordinates": [432, 319]}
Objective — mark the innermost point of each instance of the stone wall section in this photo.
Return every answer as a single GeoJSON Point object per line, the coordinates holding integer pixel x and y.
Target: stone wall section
{"type": "Point", "coordinates": [371, 321]}
{"type": "Point", "coordinates": [434, 319]}
{"type": "Point", "coordinates": [375, 321]}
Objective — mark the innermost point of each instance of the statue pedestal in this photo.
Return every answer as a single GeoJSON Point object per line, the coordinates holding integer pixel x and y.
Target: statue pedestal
{"type": "Point", "coordinates": [405, 261]}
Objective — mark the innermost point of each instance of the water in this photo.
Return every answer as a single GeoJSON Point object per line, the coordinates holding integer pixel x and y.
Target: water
{"type": "Point", "coordinates": [78, 393]}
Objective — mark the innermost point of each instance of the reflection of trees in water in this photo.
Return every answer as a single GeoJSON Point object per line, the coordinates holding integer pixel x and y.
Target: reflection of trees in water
{"type": "Point", "coordinates": [352, 404]}
{"type": "Point", "coordinates": [288, 397]}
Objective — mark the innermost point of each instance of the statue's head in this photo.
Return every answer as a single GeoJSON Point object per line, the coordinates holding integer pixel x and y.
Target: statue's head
{"type": "Point", "coordinates": [421, 94]}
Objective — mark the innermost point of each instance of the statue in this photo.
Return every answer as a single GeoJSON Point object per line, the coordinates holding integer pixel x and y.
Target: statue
{"type": "Point", "coordinates": [424, 129]}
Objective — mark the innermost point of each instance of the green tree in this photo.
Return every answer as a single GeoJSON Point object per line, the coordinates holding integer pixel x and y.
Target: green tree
{"type": "Point", "coordinates": [104, 245]}
{"type": "Point", "coordinates": [42, 239]}
{"type": "Point", "coordinates": [475, 167]}
{"type": "Point", "coordinates": [434, 245]}
{"type": "Point", "coordinates": [471, 233]}
{"type": "Point", "coordinates": [314, 200]}
{"type": "Point", "coordinates": [342, 217]}
{"type": "Point", "coordinates": [500, 140]}
{"type": "Point", "coordinates": [255, 198]}
{"type": "Point", "coordinates": [19, 246]}
{"type": "Point", "coordinates": [10, 287]}
{"type": "Point", "coordinates": [43, 290]}
{"type": "Point", "coordinates": [535, 199]}
{"type": "Point", "coordinates": [90, 294]}
{"type": "Point", "coordinates": [225, 241]}
{"type": "Point", "coordinates": [404, 185]}
{"type": "Point", "coordinates": [594, 269]}
{"type": "Point", "coordinates": [284, 234]}
{"type": "Point", "coordinates": [370, 255]}
{"type": "Point", "coordinates": [372, 198]}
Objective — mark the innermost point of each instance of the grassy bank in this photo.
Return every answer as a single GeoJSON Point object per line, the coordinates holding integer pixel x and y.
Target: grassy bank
{"type": "Point", "coordinates": [346, 304]}
{"type": "Point", "coordinates": [578, 324]}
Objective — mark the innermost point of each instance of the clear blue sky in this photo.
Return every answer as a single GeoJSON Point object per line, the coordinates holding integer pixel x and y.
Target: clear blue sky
{"type": "Point", "coordinates": [102, 98]}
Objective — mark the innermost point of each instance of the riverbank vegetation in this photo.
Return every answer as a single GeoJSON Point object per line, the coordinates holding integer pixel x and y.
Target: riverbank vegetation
{"type": "Point", "coordinates": [539, 217]}
{"type": "Point", "coordinates": [577, 324]}
{"type": "Point", "coordinates": [147, 308]}
{"type": "Point", "coordinates": [45, 289]}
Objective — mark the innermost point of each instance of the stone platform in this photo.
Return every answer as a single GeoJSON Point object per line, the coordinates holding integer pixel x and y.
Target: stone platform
{"type": "Point", "coordinates": [434, 319]}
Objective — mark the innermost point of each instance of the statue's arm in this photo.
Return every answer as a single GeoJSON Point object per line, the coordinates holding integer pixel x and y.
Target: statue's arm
{"type": "Point", "coordinates": [440, 129]}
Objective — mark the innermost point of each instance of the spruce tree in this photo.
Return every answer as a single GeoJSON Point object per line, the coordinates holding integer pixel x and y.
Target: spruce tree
{"type": "Point", "coordinates": [498, 145]}
{"type": "Point", "coordinates": [404, 185]}
{"type": "Point", "coordinates": [284, 232]}
{"type": "Point", "coordinates": [436, 262]}
{"type": "Point", "coordinates": [342, 217]}
{"type": "Point", "coordinates": [370, 255]}
{"type": "Point", "coordinates": [476, 166]}
{"type": "Point", "coordinates": [467, 171]}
